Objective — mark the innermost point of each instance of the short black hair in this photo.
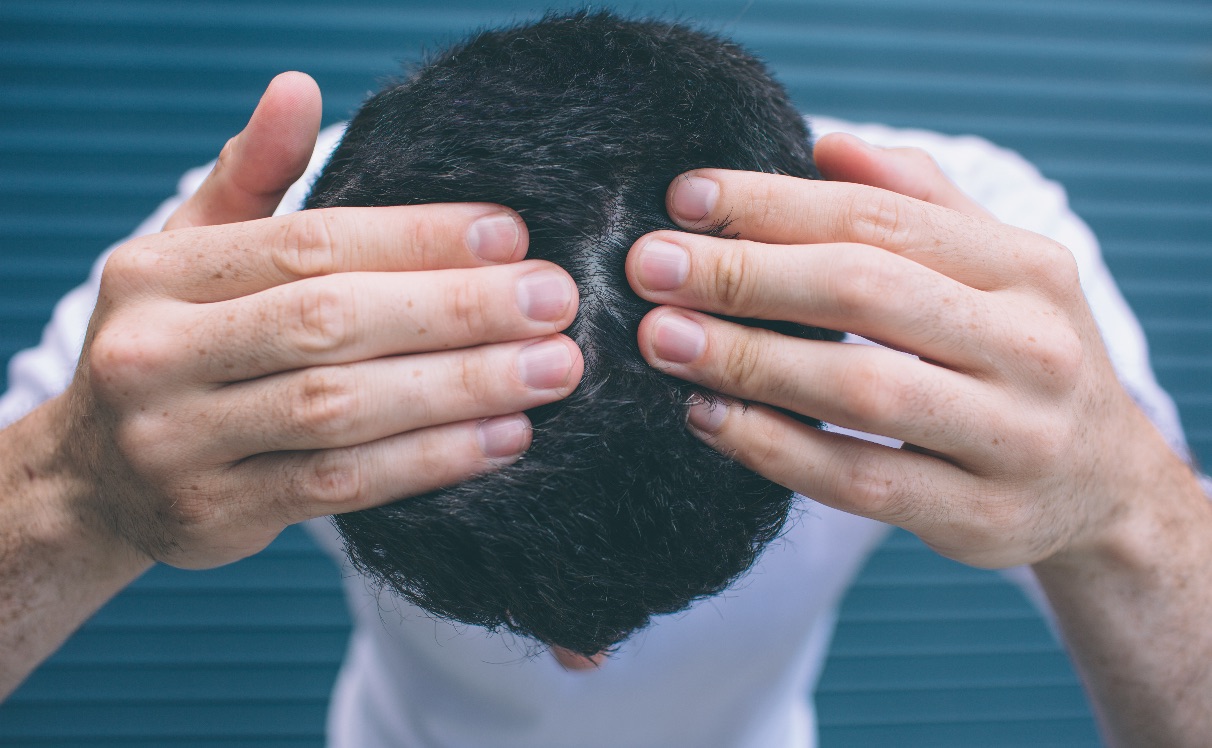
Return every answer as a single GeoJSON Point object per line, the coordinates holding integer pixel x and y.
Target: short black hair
{"type": "Point", "coordinates": [616, 513]}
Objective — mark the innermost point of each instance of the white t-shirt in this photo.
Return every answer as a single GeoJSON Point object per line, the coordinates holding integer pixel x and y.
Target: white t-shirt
{"type": "Point", "coordinates": [734, 671]}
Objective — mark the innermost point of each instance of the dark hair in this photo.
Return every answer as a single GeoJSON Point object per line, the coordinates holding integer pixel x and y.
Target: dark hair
{"type": "Point", "coordinates": [616, 513]}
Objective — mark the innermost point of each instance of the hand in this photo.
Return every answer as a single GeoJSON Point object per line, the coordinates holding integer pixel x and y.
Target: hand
{"type": "Point", "coordinates": [1020, 442]}
{"type": "Point", "coordinates": [242, 373]}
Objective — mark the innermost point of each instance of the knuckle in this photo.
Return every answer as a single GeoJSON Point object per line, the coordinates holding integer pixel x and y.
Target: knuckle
{"type": "Point", "coordinates": [1059, 356]}
{"type": "Point", "coordinates": [334, 478]}
{"type": "Point", "coordinates": [308, 245]}
{"type": "Point", "coordinates": [139, 440]}
{"type": "Point", "coordinates": [440, 459]}
{"type": "Point", "coordinates": [1046, 265]}
{"type": "Point", "coordinates": [117, 358]}
{"type": "Point", "coordinates": [742, 365]}
{"type": "Point", "coordinates": [1058, 267]}
{"type": "Point", "coordinates": [730, 280]}
{"type": "Point", "coordinates": [470, 310]}
{"type": "Point", "coordinates": [868, 391]}
{"type": "Point", "coordinates": [473, 378]}
{"type": "Point", "coordinates": [324, 402]}
{"type": "Point", "coordinates": [871, 488]}
{"type": "Point", "coordinates": [862, 280]}
{"type": "Point", "coordinates": [226, 155]}
{"type": "Point", "coordinates": [768, 207]}
{"type": "Point", "coordinates": [921, 158]}
{"type": "Point", "coordinates": [129, 266]}
{"type": "Point", "coordinates": [880, 218]}
{"type": "Point", "coordinates": [424, 238]}
{"type": "Point", "coordinates": [323, 319]}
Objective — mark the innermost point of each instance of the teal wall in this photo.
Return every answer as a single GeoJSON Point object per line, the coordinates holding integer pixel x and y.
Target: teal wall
{"type": "Point", "coordinates": [104, 103]}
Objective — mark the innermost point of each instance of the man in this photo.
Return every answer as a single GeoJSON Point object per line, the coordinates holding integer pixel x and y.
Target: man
{"type": "Point", "coordinates": [1026, 449]}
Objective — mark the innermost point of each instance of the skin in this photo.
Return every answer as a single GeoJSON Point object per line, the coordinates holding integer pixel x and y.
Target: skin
{"type": "Point", "coordinates": [1021, 445]}
{"type": "Point", "coordinates": [242, 373]}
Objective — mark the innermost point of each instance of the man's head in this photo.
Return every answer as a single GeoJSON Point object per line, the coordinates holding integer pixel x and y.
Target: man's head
{"type": "Point", "coordinates": [616, 513]}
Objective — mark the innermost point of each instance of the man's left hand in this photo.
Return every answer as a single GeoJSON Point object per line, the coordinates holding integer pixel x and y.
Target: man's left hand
{"type": "Point", "coordinates": [1019, 440]}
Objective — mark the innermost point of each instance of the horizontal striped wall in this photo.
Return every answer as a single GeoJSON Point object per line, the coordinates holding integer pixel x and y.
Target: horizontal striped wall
{"type": "Point", "coordinates": [104, 103]}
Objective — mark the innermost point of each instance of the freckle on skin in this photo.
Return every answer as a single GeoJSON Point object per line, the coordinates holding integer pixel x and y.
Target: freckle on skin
{"type": "Point", "coordinates": [421, 331]}
{"type": "Point", "coordinates": [416, 373]}
{"type": "Point", "coordinates": [410, 303]}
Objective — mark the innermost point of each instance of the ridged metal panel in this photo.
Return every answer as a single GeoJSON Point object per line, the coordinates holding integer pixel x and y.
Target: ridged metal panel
{"type": "Point", "coordinates": [104, 104]}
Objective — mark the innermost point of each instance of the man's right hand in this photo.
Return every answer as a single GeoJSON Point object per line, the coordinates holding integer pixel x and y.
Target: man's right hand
{"type": "Point", "coordinates": [241, 377]}
{"type": "Point", "coordinates": [242, 373]}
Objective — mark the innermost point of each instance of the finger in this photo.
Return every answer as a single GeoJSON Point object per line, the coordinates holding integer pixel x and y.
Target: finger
{"type": "Point", "coordinates": [227, 262]}
{"type": "Point", "coordinates": [901, 487]}
{"type": "Point", "coordinates": [851, 287]}
{"type": "Point", "coordinates": [257, 166]}
{"type": "Point", "coordinates": [861, 387]}
{"type": "Point", "coordinates": [911, 172]}
{"type": "Point", "coordinates": [778, 209]}
{"type": "Point", "coordinates": [294, 486]}
{"type": "Point", "coordinates": [351, 317]}
{"type": "Point", "coordinates": [339, 406]}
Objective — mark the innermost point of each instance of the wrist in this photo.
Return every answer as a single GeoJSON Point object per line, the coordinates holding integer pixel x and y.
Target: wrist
{"type": "Point", "coordinates": [1132, 602]}
{"type": "Point", "coordinates": [1154, 504]}
{"type": "Point", "coordinates": [51, 497]}
{"type": "Point", "coordinates": [58, 568]}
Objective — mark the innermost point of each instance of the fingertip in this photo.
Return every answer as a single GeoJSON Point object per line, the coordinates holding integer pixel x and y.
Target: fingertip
{"type": "Point", "coordinates": [295, 84]}
{"type": "Point", "coordinates": [705, 418]}
{"type": "Point", "coordinates": [673, 338]}
{"type": "Point", "coordinates": [655, 264]}
{"type": "Point", "coordinates": [692, 198]}
{"type": "Point", "coordinates": [843, 157]}
{"type": "Point", "coordinates": [285, 124]}
{"type": "Point", "coordinates": [499, 236]}
{"type": "Point", "coordinates": [503, 439]}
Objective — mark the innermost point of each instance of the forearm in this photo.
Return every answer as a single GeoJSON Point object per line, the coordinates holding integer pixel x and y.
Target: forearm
{"type": "Point", "coordinates": [55, 569]}
{"type": "Point", "coordinates": [1135, 610]}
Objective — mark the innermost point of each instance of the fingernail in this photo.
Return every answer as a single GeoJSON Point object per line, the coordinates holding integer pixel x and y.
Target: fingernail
{"type": "Point", "coordinates": [663, 266]}
{"type": "Point", "coordinates": [546, 365]}
{"type": "Point", "coordinates": [493, 238]}
{"type": "Point", "coordinates": [544, 295]}
{"type": "Point", "coordinates": [706, 416]}
{"type": "Point", "coordinates": [505, 436]}
{"type": "Point", "coordinates": [679, 339]}
{"type": "Point", "coordinates": [693, 198]}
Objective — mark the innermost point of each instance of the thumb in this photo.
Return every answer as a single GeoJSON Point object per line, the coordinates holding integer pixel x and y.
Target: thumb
{"type": "Point", "coordinates": [910, 171]}
{"type": "Point", "coordinates": [256, 167]}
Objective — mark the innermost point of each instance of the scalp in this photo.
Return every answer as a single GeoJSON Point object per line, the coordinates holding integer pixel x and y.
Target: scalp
{"type": "Point", "coordinates": [616, 513]}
